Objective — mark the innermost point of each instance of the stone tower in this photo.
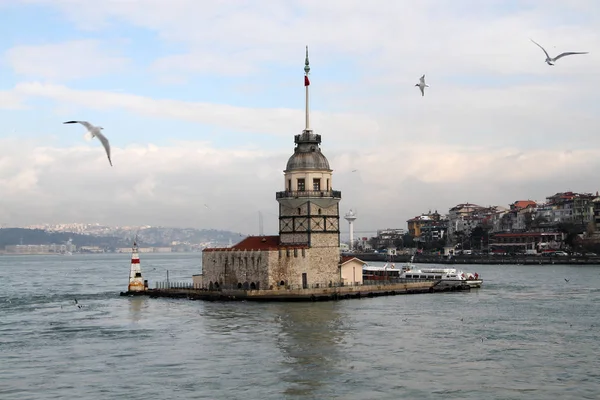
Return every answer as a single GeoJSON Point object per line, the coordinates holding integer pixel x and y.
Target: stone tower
{"type": "Point", "coordinates": [308, 207]}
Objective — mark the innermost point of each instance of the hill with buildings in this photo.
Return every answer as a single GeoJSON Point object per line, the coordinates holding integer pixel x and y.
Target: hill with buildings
{"type": "Point", "coordinates": [566, 221]}
{"type": "Point", "coordinates": [94, 238]}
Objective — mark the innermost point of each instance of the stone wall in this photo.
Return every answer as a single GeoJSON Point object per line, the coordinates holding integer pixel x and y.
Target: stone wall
{"type": "Point", "coordinates": [231, 268]}
{"type": "Point", "coordinates": [287, 265]}
{"type": "Point", "coordinates": [324, 263]}
{"type": "Point", "coordinates": [293, 238]}
{"type": "Point", "coordinates": [268, 268]}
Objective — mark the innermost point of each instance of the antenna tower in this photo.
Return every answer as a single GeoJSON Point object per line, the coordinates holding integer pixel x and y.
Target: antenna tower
{"type": "Point", "coordinates": [260, 224]}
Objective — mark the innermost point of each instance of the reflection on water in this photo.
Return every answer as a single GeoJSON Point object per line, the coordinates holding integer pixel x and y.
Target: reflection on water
{"type": "Point", "coordinates": [135, 307]}
{"type": "Point", "coordinates": [310, 336]}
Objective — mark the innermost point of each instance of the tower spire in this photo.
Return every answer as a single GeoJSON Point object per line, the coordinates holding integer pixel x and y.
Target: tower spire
{"type": "Point", "coordinates": [306, 84]}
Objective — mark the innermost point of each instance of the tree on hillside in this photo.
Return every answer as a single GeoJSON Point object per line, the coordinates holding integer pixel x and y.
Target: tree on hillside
{"type": "Point", "coordinates": [408, 240]}
{"type": "Point", "coordinates": [528, 219]}
{"type": "Point", "coordinates": [591, 229]}
{"type": "Point", "coordinates": [538, 221]}
{"type": "Point", "coordinates": [572, 231]}
{"type": "Point", "coordinates": [479, 237]}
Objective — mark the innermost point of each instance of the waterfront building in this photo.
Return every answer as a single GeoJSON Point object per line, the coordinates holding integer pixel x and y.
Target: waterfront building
{"type": "Point", "coordinates": [306, 253]}
{"type": "Point", "coordinates": [462, 219]}
{"type": "Point", "coordinates": [520, 242]}
{"type": "Point", "coordinates": [428, 227]}
{"type": "Point", "coordinates": [389, 238]}
{"type": "Point", "coordinates": [596, 222]}
{"type": "Point", "coordinates": [351, 271]}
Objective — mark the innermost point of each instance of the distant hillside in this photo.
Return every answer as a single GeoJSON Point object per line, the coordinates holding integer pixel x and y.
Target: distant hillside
{"type": "Point", "coordinates": [12, 236]}
{"type": "Point", "coordinates": [150, 237]}
{"type": "Point", "coordinates": [160, 236]}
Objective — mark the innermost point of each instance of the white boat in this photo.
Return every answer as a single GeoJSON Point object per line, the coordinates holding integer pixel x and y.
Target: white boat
{"type": "Point", "coordinates": [381, 273]}
{"type": "Point", "coordinates": [446, 276]}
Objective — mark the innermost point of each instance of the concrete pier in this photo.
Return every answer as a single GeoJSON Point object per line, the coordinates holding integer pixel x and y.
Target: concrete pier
{"type": "Point", "coordinates": [291, 295]}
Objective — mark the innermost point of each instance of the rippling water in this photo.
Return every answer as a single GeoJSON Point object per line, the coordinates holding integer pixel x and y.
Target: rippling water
{"type": "Point", "coordinates": [526, 334]}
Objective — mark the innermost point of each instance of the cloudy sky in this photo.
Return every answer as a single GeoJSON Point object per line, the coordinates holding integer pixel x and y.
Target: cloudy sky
{"type": "Point", "coordinates": [201, 100]}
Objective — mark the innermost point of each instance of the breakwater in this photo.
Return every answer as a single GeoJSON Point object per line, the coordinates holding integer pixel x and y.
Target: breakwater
{"type": "Point", "coordinates": [480, 259]}
{"type": "Point", "coordinates": [186, 290]}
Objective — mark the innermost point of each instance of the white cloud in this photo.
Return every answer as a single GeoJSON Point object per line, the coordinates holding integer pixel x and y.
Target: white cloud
{"type": "Point", "coordinates": [273, 121]}
{"type": "Point", "coordinates": [169, 185]}
{"type": "Point", "coordinates": [441, 37]}
{"type": "Point", "coordinates": [9, 100]}
{"type": "Point", "coordinates": [70, 60]}
{"type": "Point", "coordinates": [204, 63]}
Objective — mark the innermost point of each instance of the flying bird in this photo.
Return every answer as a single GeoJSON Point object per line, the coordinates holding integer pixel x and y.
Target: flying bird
{"type": "Point", "coordinates": [422, 85]}
{"type": "Point", "coordinates": [95, 132]}
{"type": "Point", "coordinates": [566, 280]}
{"type": "Point", "coordinates": [550, 60]}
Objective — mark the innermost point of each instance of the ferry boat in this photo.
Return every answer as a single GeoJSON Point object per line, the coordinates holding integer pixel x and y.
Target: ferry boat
{"type": "Point", "coordinates": [445, 276]}
{"type": "Point", "coordinates": [381, 273]}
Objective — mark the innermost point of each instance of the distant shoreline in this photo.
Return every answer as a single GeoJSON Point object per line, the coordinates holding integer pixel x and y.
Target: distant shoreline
{"type": "Point", "coordinates": [471, 259]}
{"type": "Point", "coordinates": [3, 253]}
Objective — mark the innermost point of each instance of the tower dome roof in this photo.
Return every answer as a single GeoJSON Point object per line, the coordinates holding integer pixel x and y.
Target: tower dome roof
{"type": "Point", "coordinates": [311, 160]}
{"type": "Point", "coordinates": [307, 154]}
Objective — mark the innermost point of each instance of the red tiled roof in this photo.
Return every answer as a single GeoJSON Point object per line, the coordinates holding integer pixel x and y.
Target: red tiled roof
{"type": "Point", "coordinates": [257, 243]}
{"type": "Point", "coordinates": [520, 204]}
{"type": "Point", "coordinates": [345, 259]}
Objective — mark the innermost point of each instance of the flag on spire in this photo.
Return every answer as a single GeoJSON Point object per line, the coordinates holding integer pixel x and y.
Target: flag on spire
{"type": "Point", "coordinates": [306, 69]}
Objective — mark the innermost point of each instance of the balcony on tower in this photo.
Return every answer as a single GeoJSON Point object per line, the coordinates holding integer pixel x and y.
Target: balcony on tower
{"type": "Point", "coordinates": [297, 194]}
{"type": "Point", "coordinates": [307, 136]}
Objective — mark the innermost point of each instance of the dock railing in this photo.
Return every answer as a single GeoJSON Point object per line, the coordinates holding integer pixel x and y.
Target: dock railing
{"type": "Point", "coordinates": [321, 285]}
{"type": "Point", "coordinates": [173, 285]}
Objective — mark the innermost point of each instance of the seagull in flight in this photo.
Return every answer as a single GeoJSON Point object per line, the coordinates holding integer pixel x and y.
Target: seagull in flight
{"type": "Point", "coordinates": [566, 280]}
{"type": "Point", "coordinates": [422, 85]}
{"type": "Point", "coordinates": [94, 131]}
{"type": "Point", "coordinates": [550, 60]}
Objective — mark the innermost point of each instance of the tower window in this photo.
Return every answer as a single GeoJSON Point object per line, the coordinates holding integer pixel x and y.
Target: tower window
{"type": "Point", "coordinates": [299, 211]}
{"type": "Point", "coordinates": [319, 211]}
{"type": "Point", "coordinates": [327, 185]}
{"type": "Point", "coordinates": [316, 184]}
{"type": "Point", "coordinates": [301, 185]}
{"type": "Point", "coordinates": [289, 188]}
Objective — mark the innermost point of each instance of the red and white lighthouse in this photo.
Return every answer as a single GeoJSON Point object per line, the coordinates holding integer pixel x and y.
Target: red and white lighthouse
{"type": "Point", "coordinates": [136, 282]}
